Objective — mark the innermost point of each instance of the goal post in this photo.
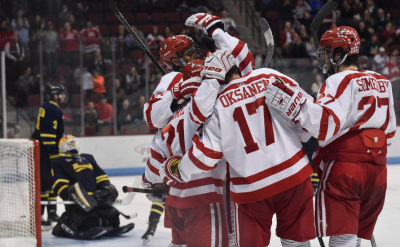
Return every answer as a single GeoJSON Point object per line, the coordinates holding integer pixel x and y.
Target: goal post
{"type": "Point", "coordinates": [20, 213]}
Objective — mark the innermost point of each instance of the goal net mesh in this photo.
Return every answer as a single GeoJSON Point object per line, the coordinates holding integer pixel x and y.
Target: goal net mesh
{"type": "Point", "coordinates": [17, 193]}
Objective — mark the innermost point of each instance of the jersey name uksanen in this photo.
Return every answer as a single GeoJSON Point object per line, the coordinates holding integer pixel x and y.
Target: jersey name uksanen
{"type": "Point", "coordinates": [175, 139]}
{"type": "Point", "coordinates": [263, 150]}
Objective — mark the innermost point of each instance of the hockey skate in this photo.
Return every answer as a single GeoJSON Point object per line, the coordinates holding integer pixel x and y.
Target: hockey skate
{"type": "Point", "coordinates": [150, 231]}
{"type": "Point", "coordinates": [52, 216]}
{"type": "Point", "coordinates": [46, 225]}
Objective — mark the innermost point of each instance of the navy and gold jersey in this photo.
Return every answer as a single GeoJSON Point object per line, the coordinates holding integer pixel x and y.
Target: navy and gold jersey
{"type": "Point", "coordinates": [69, 169]}
{"type": "Point", "coordinates": [49, 127]}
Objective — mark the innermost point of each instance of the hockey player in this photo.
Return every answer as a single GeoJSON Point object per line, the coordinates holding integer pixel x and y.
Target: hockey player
{"type": "Point", "coordinates": [49, 130]}
{"type": "Point", "coordinates": [176, 52]}
{"type": "Point", "coordinates": [157, 209]}
{"type": "Point", "coordinates": [354, 120]}
{"type": "Point", "coordinates": [269, 168]}
{"type": "Point", "coordinates": [74, 168]}
{"type": "Point", "coordinates": [194, 207]}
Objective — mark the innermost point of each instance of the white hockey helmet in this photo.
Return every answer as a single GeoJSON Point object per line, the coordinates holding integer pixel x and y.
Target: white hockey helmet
{"type": "Point", "coordinates": [68, 143]}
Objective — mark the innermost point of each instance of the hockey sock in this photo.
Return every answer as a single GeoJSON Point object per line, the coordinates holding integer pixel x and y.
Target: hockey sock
{"type": "Point", "coordinates": [292, 243]}
{"type": "Point", "coordinates": [44, 196]}
{"type": "Point", "coordinates": [52, 197]}
{"type": "Point", "coordinates": [345, 240]}
{"type": "Point", "coordinates": [358, 242]}
{"type": "Point", "coordinates": [156, 211]}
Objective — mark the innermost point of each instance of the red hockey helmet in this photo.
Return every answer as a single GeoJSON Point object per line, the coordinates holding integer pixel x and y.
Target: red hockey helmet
{"type": "Point", "coordinates": [192, 69]}
{"type": "Point", "coordinates": [177, 46]}
{"type": "Point", "coordinates": [343, 37]}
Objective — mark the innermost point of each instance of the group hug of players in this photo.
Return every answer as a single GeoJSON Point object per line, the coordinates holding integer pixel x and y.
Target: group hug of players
{"type": "Point", "coordinates": [228, 153]}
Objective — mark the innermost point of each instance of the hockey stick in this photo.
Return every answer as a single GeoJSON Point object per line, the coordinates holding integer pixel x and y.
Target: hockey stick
{"type": "Point", "coordinates": [319, 18]}
{"type": "Point", "coordinates": [321, 242]}
{"type": "Point", "coordinates": [129, 198]}
{"type": "Point", "coordinates": [114, 7]}
{"type": "Point", "coordinates": [373, 243]}
{"type": "Point", "coordinates": [269, 39]}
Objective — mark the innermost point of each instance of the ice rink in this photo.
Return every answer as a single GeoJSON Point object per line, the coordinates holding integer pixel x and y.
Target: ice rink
{"type": "Point", "coordinates": [387, 230]}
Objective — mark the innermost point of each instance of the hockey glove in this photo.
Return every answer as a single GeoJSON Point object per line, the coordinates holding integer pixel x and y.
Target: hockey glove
{"type": "Point", "coordinates": [217, 65]}
{"type": "Point", "coordinates": [205, 22]}
{"type": "Point", "coordinates": [284, 99]}
{"type": "Point", "coordinates": [169, 171]}
{"type": "Point", "coordinates": [182, 91]}
{"type": "Point", "coordinates": [160, 190]}
{"type": "Point", "coordinates": [106, 196]}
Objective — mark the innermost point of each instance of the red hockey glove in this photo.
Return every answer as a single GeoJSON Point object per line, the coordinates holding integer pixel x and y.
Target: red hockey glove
{"type": "Point", "coordinates": [169, 171]}
{"type": "Point", "coordinates": [182, 91]}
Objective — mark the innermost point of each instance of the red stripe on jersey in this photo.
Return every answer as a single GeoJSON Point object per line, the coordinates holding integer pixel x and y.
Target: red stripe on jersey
{"type": "Point", "coordinates": [194, 201]}
{"type": "Point", "coordinates": [198, 163]}
{"type": "Point", "coordinates": [245, 61]}
{"type": "Point", "coordinates": [335, 119]}
{"type": "Point", "coordinates": [323, 127]}
{"type": "Point", "coordinates": [196, 110]}
{"type": "Point", "coordinates": [193, 120]}
{"type": "Point", "coordinates": [174, 81]}
{"type": "Point", "coordinates": [148, 112]}
{"type": "Point", "coordinates": [238, 48]}
{"type": "Point", "coordinates": [155, 155]}
{"type": "Point", "coordinates": [158, 82]}
{"type": "Point", "coordinates": [206, 151]}
{"type": "Point", "coordinates": [275, 188]}
{"type": "Point", "coordinates": [199, 182]}
{"type": "Point", "coordinates": [322, 89]}
{"type": "Point", "coordinates": [270, 171]}
{"type": "Point", "coordinates": [390, 135]}
{"type": "Point", "coordinates": [152, 168]}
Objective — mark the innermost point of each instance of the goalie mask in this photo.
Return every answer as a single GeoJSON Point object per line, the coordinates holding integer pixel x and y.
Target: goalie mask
{"type": "Point", "coordinates": [181, 47]}
{"type": "Point", "coordinates": [343, 40]}
{"type": "Point", "coordinates": [69, 144]}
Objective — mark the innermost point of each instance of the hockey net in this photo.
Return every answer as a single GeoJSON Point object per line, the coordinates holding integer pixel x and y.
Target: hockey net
{"type": "Point", "coordinates": [20, 193]}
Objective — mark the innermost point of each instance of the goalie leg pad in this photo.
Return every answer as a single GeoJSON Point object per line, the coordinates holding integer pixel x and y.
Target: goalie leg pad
{"type": "Point", "coordinates": [121, 230]}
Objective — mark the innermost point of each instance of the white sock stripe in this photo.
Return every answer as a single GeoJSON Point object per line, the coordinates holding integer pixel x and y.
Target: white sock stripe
{"type": "Point", "coordinates": [212, 225]}
{"type": "Point", "coordinates": [237, 225]}
{"type": "Point", "coordinates": [323, 209]}
{"type": "Point", "coordinates": [219, 225]}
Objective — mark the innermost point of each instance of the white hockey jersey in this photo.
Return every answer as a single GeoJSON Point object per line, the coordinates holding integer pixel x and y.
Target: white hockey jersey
{"type": "Point", "coordinates": [175, 139]}
{"type": "Point", "coordinates": [263, 150]}
{"type": "Point", "coordinates": [157, 111]}
{"type": "Point", "coordinates": [349, 101]}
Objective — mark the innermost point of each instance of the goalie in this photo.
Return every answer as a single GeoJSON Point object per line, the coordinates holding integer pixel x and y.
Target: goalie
{"type": "Point", "coordinates": [78, 177]}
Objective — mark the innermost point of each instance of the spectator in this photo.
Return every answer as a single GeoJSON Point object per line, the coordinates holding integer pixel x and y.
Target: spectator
{"type": "Point", "coordinates": [33, 46]}
{"type": "Point", "coordinates": [357, 8]}
{"type": "Point", "coordinates": [105, 49]}
{"type": "Point", "coordinates": [50, 42]}
{"type": "Point", "coordinates": [131, 41]}
{"type": "Point", "coordinates": [25, 87]}
{"type": "Point", "coordinates": [132, 78]}
{"type": "Point", "coordinates": [387, 35]}
{"type": "Point", "coordinates": [316, 85]}
{"type": "Point", "coordinates": [310, 48]}
{"type": "Point", "coordinates": [87, 80]}
{"type": "Point", "coordinates": [19, 16]}
{"type": "Point", "coordinates": [15, 54]}
{"type": "Point", "coordinates": [301, 7]}
{"type": "Point", "coordinates": [372, 46]}
{"type": "Point", "coordinates": [69, 44]}
{"type": "Point", "coordinates": [167, 32]}
{"type": "Point", "coordinates": [154, 39]}
{"type": "Point", "coordinates": [346, 10]}
{"type": "Point", "coordinates": [38, 24]}
{"type": "Point", "coordinates": [80, 14]}
{"type": "Point", "coordinates": [315, 5]}
{"type": "Point", "coordinates": [306, 21]}
{"type": "Point", "coordinates": [121, 32]}
{"type": "Point", "coordinates": [391, 71]}
{"type": "Point", "coordinates": [91, 41]}
{"type": "Point", "coordinates": [125, 115]}
{"type": "Point", "coordinates": [339, 20]}
{"type": "Point", "coordinates": [119, 92]}
{"type": "Point", "coordinates": [286, 36]}
{"type": "Point", "coordinates": [380, 59]}
{"type": "Point", "coordinates": [370, 7]}
{"type": "Point", "coordinates": [99, 63]}
{"type": "Point", "coordinates": [64, 15]}
{"type": "Point", "coordinates": [380, 21]}
{"type": "Point", "coordinates": [123, 53]}
{"type": "Point", "coordinates": [139, 109]}
{"type": "Point", "coordinates": [363, 33]}
{"type": "Point", "coordinates": [98, 83]}
{"type": "Point", "coordinates": [286, 11]}
{"type": "Point", "coordinates": [258, 58]}
{"type": "Point", "coordinates": [297, 49]}
{"type": "Point", "coordinates": [23, 34]}
{"type": "Point", "coordinates": [74, 25]}
{"type": "Point", "coordinates": [183, 7]}
{"type": "Point", "coordinates": [368, 21]}
{"type": "Point", "coordinates": [303, 34]}
{"type": "Point", "coordinates": [91, 115]}
{"type": "Point", "coordinates": [4, 27]}
{"type": "Point", "coordinates": [227, 20]}
{"type": "Point", "coordinates": [105, 110]}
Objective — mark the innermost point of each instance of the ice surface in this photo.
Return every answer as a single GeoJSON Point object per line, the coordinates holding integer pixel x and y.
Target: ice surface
{"type": "Point", "coordinates": [387, 230]}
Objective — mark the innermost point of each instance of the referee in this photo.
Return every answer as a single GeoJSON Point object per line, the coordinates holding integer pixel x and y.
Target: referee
{"type": "Point", "coordinates": [49, 130]}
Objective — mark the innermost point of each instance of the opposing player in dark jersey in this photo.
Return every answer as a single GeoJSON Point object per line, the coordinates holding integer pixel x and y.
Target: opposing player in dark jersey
{"type": "Point", "coordinates": [49, 130]}
{"type": "Point", "coordinates": [71, 168]}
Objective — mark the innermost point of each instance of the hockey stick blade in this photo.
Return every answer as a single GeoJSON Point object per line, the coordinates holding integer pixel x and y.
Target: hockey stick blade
{"type": "Point", "coordinates": [319, 18]}
{"type": "Point", "coordinates": [114, 7]}
{"type": "Point", "coordinates": [269, 39]}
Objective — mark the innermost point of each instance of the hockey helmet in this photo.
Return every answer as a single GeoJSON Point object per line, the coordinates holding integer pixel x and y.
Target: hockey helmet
{"type": "Point", "coordinates": [57, 89]}
{"type": "Point", "coordinates": [178, 46]}
{"type": "Point", "coordinates": [68, 143]}
{"type": "Point", "coordinates": [192, 69]}
{"type": "Point", "coordinates": [342, 37]}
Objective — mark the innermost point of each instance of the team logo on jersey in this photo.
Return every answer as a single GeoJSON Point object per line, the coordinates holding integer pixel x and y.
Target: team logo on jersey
{"type": "Point", "coordinates": [341, 31]}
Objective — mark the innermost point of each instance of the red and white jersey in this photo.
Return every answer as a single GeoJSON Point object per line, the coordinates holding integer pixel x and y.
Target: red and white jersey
{"type": "Point", "coordinates": [391, 71]}
{"type": "Point", "coordinates": [263, 150]}
{"type": "Point", "coordinates": [154, 42]}
{"type": "Point", "coordinates": [349, 101]}
{"type": "Point", "coordinates": [91, 39]}
{"type": "Point", "coordinates": [175, 139]}
{"type": "Point", "coordinates": [157, 110]}
{"type": "Point", "coordinates": [68, 40]}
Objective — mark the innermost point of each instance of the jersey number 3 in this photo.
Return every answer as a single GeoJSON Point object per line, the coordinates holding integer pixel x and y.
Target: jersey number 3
{"type": "Point", "coordinates": [238, 116]}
